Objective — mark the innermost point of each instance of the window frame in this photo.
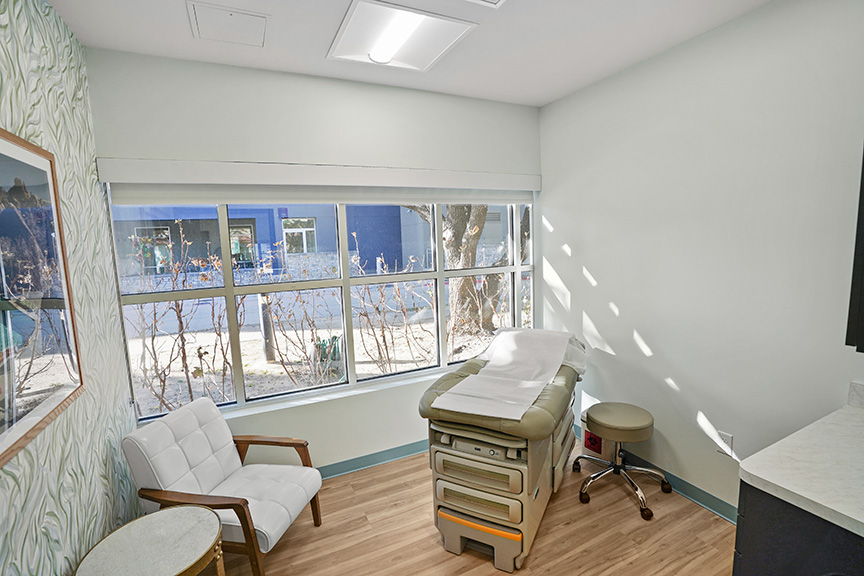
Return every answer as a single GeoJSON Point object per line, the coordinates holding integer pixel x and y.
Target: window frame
{"type": "Point", "coordinates": [345, 281]}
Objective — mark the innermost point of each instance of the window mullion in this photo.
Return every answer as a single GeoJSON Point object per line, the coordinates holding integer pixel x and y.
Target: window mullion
{"type": "Point", "coordinates": [516, 276]}
{"type": "Point", "coordinates": [231, 307]}
{"type": "Point", "coordinates": [440, 293]}
{"type": "Point", "coordinates": [345, 268]}
{"type": "Point", "coordinates": [536, 320]}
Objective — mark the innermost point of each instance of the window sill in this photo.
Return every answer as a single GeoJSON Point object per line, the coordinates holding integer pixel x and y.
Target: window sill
{"type": "Point", "coordinates": [306, 397]}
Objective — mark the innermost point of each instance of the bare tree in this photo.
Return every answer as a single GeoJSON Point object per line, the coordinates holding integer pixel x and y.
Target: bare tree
{"type": "Point", "coordinates": [471, 310]}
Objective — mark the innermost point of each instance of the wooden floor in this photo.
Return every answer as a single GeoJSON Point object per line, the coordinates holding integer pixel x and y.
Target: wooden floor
{"type": "Point", "coordinates": [379, 521]}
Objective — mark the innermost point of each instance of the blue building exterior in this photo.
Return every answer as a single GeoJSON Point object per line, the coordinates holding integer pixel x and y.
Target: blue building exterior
{"type": "Point", "coordinates": [378, 232]}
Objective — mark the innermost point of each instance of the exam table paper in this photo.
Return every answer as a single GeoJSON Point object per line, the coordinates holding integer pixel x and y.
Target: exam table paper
{"type": "Point", "coordinates": [520, 364]}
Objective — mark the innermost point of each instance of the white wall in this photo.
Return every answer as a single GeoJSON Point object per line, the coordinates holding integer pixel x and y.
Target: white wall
{"type": "Point", "coordinates": [340, 429]}
{"type": "Point", "coordinates": [712, 194]}
{"type": "Point", "coordinates": [159, 108]}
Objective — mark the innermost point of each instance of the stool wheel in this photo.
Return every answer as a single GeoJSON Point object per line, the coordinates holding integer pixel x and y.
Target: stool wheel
{"type": "Point", "coordinates": [576, 466]}
{"type": "Point", "coordinates": [584, 497]}
{"type": "Point", "coordinates": [666, 487]}
{"type": "Point", "coordinates": [646, 513]}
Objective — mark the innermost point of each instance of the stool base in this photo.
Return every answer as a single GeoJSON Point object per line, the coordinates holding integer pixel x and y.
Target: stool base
{"type": "Point", "coordinates": [620, 467]}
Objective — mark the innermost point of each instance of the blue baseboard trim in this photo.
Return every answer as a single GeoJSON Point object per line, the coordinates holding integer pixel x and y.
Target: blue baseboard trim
{"type": "Point", "coordinates": [694, 494]}
{"type": "Point", "coordinates": [362, 462]}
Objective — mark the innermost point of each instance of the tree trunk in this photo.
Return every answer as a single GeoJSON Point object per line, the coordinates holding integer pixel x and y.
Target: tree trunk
{"type": "Point", "coordinates": [463, 227]}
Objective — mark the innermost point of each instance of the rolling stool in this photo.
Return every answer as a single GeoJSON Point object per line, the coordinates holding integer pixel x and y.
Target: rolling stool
{"type": "Point", "coordinates": [619, 423]}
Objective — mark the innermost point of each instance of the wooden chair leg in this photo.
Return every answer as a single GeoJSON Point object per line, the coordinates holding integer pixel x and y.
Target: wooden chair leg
{"type": "Point", "coordinates": [256, 559]}
{"type": "Point", "coordinates": [316, 510]}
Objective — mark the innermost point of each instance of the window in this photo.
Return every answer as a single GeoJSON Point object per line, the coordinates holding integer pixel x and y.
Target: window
{"type": "Point", "coordinates": [316, 295]}
{"type": "Point", "coordinates": [299, 235]}
{"type": "Point", "coordinates": [167, 248]}
{"type": "Point", "coordinates": [242, 246]}
{"type": "Point", "coordinates": [154, 246]}
{"type": "Point", "coordinates": [389, 239]}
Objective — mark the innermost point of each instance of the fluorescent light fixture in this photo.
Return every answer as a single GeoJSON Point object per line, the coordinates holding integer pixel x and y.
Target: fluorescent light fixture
{"type": "Point", "coordinates": [384, 34]}
{"type": "Point", "coordinates": [490, 3]}
{"type": "Point", "coordinates": [401, 27]}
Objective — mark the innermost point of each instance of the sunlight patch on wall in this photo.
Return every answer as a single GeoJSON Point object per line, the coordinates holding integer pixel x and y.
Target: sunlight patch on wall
{"type": "Point", "coordinates": [640, 342]}
{"type": "Point", "coordinates": [566, 249]}
{"type": "Point", "coordinates": [589, 277]}
{"type": "Point", "coordinates": [588, 401]}
{"type": "Point", "coordinates": [711, 432]}
{"type": "Point", "coordinates": [592, 335]}
{"type": "Point", "coordinates": [556, 284]}
{"type": "Point", "coordinates": [671, 383]}
{"type": "Point", "coordinates": [614, 308]}
{"type": "Point", "coordinates": [547, 224]}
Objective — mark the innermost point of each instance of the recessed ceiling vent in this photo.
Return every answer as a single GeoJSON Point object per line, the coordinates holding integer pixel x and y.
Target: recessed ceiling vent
{"type": "Point", "coordinates": [226, 24]}
{"type": "Point", "coordinates": [490, 3]}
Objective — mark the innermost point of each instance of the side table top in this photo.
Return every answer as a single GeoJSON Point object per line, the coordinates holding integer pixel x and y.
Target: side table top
{"type": "Point", "coordinates": [164, 543]}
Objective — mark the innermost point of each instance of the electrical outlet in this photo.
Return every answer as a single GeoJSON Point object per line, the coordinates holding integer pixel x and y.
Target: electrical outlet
{"type": "Point", "coordinates": [727, 440]}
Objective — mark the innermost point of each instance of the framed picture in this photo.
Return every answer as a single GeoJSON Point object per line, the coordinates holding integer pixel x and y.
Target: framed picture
{"type": "Point", "coordinates": [39, 367]}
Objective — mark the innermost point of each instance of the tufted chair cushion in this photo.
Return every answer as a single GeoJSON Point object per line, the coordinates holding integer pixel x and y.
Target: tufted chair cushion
{"type": "Point", "coordinates": [189, 450]}
{"type": "Point", "coordinates": [276, 494]}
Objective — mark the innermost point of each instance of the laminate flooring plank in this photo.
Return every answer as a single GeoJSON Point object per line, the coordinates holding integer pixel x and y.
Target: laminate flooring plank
{"type": "Point", "coordinates": [379, 521]}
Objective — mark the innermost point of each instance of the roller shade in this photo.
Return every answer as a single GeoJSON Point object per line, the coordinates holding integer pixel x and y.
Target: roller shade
{"type": "Point", "coordinates": [181, 182]}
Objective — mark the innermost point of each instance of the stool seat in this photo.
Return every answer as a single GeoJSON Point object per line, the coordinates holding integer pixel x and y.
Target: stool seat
{"type": "Point", "coordinates": [620, 422]}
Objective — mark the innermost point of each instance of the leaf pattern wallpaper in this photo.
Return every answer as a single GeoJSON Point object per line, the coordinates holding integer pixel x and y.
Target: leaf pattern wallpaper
{"type": "Point", "coordinates": [69, 487]}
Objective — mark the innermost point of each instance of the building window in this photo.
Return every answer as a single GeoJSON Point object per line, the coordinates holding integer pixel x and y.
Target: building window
{"type": "Point", "coordinates": [242, 246]}
{"type": "Point", "coordinates": [299, 235]}
{"type": "Point", "coordinates": [153, 244]}
{"type": "Point", "coordinates": [316, 295]}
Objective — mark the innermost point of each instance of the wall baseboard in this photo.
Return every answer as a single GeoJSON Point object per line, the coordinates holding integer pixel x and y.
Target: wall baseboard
{"type": "Point", "coordinates": [362, 462]}
{"type": "Point", "coordinates": [695, 494]}
{"type": "Point", "coordinates": [708, 501]}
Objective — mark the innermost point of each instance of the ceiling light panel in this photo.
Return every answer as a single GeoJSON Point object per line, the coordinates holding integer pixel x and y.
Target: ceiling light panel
{"type": "Point", "coordinates": [490, 3]}
{"type": "Point", "coordinates": [385, 34]}
{"type": "Point", "coordinates": [226, 24]}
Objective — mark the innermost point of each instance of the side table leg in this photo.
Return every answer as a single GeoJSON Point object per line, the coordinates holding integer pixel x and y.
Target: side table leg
{"type": "Point", "coordinates": [220, 564]}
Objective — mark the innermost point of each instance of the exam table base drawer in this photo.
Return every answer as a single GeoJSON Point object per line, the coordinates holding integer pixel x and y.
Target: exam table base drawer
{"type": "Point", "coordinates": [478, 503]}
{"type": "Point", "coordinates": [478, 473]}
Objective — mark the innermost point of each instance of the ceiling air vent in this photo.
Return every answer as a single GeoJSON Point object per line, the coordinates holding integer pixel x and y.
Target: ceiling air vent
{"type": "Point", "coordinates": [226, 24]}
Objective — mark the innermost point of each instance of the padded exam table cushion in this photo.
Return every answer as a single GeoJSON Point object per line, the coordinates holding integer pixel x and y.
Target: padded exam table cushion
{"type": "Point", "coordinates": [537, 423]}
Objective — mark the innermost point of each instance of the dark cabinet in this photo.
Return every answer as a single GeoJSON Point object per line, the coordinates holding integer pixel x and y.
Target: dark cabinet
{"type": "Point", "coordinates": [776, 538]}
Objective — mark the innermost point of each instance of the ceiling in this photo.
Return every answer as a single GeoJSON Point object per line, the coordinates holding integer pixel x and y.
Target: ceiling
{"type": "Point", "coordinates": [525, 52]}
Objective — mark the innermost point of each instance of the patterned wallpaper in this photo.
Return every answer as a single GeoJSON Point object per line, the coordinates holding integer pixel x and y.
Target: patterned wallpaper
{"type": "Point", "coordinates": [69, 487]}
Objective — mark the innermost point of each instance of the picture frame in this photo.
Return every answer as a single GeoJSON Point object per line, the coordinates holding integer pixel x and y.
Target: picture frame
{"type": "Point", "coordinates": [39, 361]}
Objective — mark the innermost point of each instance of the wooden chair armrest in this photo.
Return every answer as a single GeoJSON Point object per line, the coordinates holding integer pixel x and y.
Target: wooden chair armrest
{"type": "Point", "coordinates": [301, 446]}
{"type": "Point", "coordinates": [166, 498]}
{"type": "Point", "coordinates": [240, 506]}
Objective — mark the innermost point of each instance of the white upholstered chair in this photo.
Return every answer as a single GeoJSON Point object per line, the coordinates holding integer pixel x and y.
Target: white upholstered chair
{"type": "Point", "coordinates": [190, 457]}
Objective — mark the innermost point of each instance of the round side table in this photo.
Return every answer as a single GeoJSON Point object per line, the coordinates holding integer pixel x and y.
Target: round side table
{"type": "Point", "coordinates": [176, 541]}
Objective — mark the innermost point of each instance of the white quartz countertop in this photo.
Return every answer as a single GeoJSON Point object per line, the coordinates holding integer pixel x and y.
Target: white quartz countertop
{"type": "Point", "coordinates": [820, 468]}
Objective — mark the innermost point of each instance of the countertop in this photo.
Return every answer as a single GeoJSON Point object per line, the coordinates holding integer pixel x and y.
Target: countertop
{"type": "Point", "coordinates": [819, 468]}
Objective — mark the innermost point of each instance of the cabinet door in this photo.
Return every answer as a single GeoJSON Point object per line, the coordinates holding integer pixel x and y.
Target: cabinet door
{"type": "Point", "coordinates": [775, 538]}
